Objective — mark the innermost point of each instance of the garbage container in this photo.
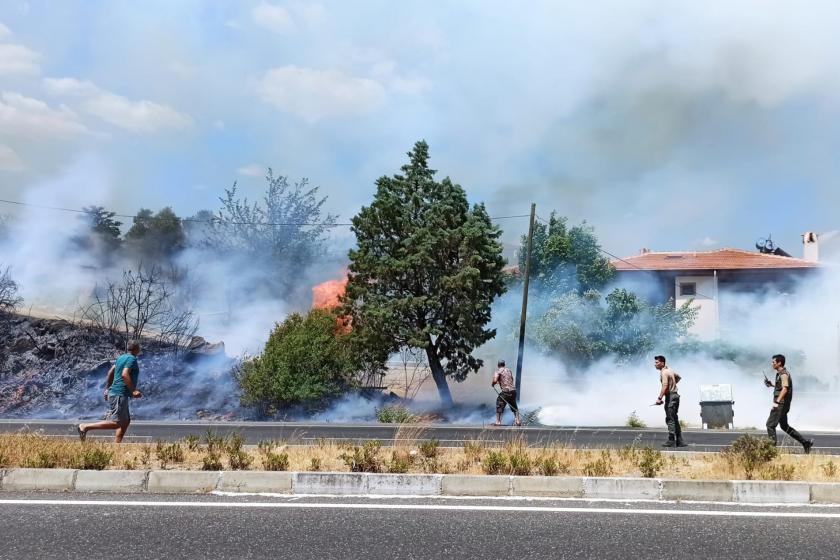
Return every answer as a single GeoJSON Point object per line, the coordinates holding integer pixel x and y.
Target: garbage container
{"type": "Point", "coordinates": [716, 406]}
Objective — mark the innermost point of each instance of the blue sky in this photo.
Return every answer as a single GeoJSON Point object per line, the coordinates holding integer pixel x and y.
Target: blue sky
{"type": "Point", "coordinates": [667, 125]}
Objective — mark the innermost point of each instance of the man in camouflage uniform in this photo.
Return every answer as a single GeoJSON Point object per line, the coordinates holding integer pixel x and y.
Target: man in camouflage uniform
{"type": "Point", "coordinates": [782, 397]}
{"type": "Point", "coordinates": [504, 377]}
{"type": "Point", "coordinates": [668, 391]}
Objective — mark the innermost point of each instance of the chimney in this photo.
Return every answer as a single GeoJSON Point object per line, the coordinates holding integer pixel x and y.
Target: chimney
{"type": "Point", "coordinates": [811, 246]}
{"type": "Point", "coordinates": [644, 251]}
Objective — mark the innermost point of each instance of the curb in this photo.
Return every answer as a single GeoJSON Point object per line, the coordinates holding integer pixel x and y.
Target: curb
{"type": "Point", "coordinates": [355, 484]}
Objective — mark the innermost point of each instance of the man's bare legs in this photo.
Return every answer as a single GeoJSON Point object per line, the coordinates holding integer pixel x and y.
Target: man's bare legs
{"type": "Point", "coordinates": [106, 425]}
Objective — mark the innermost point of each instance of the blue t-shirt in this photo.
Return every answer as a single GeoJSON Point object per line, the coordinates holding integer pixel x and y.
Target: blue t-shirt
{"type": "Point", "coordinates": [118, 387]}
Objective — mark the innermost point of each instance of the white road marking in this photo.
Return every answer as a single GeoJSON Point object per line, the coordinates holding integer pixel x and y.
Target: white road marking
{"type": "Point", "coordinates": [424, 507]}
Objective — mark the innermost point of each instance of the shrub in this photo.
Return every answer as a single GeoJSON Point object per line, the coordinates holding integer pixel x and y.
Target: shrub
{"type": "Point", "coordinates": [429, 449]}
{"type": "Point", "coordinates": [192, 442]}
{"type": "Point", "coordinates": [315, 464]}
{"type": "Point", "coordinates": [146, 455]}
{"type": "Point", "coordinates": [829, 469]}
{"type": "Point", "coordinates": [547, 465]}
{"type": "Point", "coordinates": [172, 453]}
{"type": "Point", "coordinates": [44, 459]}
{"type": "Point", "coordinates": [650, 462]}
{"type": "Point", "coordinates": [400, 462]}
{"type": "Point", "coordinates": [473, 449]}
{"type": "Point", "coordinates": [238, 458]}
{"type": "Point", "coordinates": [601, 466]}
{"type": "Point", "coordinates": [633, 421]}
{"type": "Point", "coordinates": [96, 458]}
{"type": "Point", "coordinates": [276, 461]}
{"type": "Point", "coordinates": [395, 415]}
{"type": "Point", "coordinates": [750, 453]}
{"type": "Point", "coordinates": [306, 360]}
{"type": "Point", "coordinates": [363, 459]}
{"type": "Point", "coordinates": [495, 462]}
{"type": "Point", "coordinates": [779, 472]}
{"type": "Point", "coordinates": [520, 462]}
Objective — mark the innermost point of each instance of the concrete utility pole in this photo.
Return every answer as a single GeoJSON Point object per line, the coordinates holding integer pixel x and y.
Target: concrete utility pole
{"type": "Point", "coordinates": [524, 304]}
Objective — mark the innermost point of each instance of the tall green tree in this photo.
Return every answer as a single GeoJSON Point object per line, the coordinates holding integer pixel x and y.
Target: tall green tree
{"type": "Point", "coordinates": [157, 236]}
{"type": "Point", "coordinates": [102, 237]}
{"type": "Point", "coordinates": [565, 258]}
{"type": "Point", "coordinates": [426, 271]}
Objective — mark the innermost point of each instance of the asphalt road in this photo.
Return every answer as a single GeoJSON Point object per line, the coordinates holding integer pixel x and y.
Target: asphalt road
{"type": "Point", "coordinates": [448, 435]}
{"type": "Point", "coordinates": [186, 527]}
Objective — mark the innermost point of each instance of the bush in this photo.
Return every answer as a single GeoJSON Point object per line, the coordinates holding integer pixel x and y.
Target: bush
{"type": "Point", "coordinates": [750, 453]}
{"type": "Point", "coordinates": [395, 415]}
{"type": "Point", "coordinates": [306, 360]}
{"type": "Point", "coordinates": [548, 465]}
{"type": "Point", "coordinates": [276, 461]}
{"type": "Point", "coordinates": [779, 472]}
{"type": "Point", "coordinates": [601, 466]}
{"type": "Point", "coordinates": [519, 462]}
{"type": "Point", "coordinates": [400, 462]}
{"type": "Point", "coordinates": [650, 462]}
{"type": "Point", "coordinates": [192, 442]}
{"type": "Point", "coordinates": [211, 461]}
{"type": "Point", "coordinates": [829, 469]}
{"type": "Point", "coordinates": [429, 449]}
{"type": "Point", "coordinates": [96, 458]}
{"type": "Point", "coordinates": [473, 449]}
{"type": "Point", "coordinates": [238, 458]}
{"type": "Point", "coordinates": [315, 464]}
{"type": "Point", "coordinates": [495, 462]}
{"type": "Point", "coordinates": [633, 421]}
{"type": "Point", "coordinates": [172, 453]}
{"type": "Point", "coordinates": [363, 459]}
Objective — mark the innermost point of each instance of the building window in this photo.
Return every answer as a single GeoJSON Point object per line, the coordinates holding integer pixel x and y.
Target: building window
{"type": "Point", "coordinates": [688, 289]}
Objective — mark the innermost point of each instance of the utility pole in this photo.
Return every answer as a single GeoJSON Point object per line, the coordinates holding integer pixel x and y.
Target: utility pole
{"type": "Point", "coordinates": [524, 304]}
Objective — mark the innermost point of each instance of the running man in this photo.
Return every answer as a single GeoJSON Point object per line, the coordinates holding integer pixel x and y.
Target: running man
{"type": "Point", "coordinates": [120, 386]}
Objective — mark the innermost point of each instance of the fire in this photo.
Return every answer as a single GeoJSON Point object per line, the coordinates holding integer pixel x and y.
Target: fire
{"type": "Point", "coordinates": [326, 295]}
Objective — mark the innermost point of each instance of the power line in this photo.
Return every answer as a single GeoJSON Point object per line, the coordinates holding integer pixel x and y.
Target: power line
{"type": "Point", "coordinates": [214, 220]}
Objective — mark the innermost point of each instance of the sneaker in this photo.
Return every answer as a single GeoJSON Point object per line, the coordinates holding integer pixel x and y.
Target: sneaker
{"type": "Point", "coordinates": [82, 435]}
{"type": "Point", "coordinates": [669, 444]}
{"type": "Point", "coordinates": [681, 443]}
{"type": "Point", "coordinates": [809, 443]}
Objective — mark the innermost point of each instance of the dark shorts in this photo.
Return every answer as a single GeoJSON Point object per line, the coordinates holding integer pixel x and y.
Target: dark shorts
{"type": "Point", "coordinates": [118, 409]}
{"type": "Point", "coordinates": [506, 397]}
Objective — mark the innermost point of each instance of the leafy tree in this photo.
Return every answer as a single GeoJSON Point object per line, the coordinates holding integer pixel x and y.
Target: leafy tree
{"type": "Point", "coordinates": [585, 328]}
{"type": "Point", "coordinates": [307, 359]}
{"type": "Point", "coordinates": [426, 270]}
{"type": "Point", "coordinates": [564, 258]}
{"type": "Point", "coordinates": [103, 234]}
{"type": "Point", "coordinates": [156, 236]}
{"type": "Point", "coordinates": [287, 230]}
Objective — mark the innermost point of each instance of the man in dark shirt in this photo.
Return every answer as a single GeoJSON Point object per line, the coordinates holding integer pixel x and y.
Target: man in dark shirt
{"type": "Point", "coordinates": [782, 397]}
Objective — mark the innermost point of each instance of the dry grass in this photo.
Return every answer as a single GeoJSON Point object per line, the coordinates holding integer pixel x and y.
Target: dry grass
{"type": "Point", "coordinates": [473, 457]}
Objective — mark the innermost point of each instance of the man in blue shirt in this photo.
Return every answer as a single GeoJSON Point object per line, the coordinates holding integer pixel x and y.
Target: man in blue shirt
{"type": "Point", "coordinates": [119, 388]}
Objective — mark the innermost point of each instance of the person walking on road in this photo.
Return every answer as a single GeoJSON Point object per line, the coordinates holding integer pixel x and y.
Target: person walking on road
{"type": "Point", "coordinates": [120, 386]}
{"type": "Point", "coordinates": [504, 377]}
{"type": "Point", "coordinates": [668, 391]}
{"type": "Point", "coordinates": [782, 397]}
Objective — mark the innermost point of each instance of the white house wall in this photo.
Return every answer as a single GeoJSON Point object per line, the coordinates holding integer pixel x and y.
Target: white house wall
{"type": "Point", "coordinates": [706, 325]}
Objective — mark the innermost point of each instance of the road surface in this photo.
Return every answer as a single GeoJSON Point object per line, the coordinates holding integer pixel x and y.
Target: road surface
{"type": "Point", "coordinates": [447, 435]}
{"type": "Point", "coordinates": [94, 526]}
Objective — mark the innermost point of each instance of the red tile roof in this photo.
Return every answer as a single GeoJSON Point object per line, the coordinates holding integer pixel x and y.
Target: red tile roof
{"type": "Point", "coordinates": [721, 259]}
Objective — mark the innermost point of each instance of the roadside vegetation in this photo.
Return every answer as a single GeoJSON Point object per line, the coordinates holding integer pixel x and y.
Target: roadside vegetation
{"type": "Point", "coordinates": [410, 453]}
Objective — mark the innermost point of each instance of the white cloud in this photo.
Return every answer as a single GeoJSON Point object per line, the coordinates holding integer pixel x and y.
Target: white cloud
{"type": "Point", "coordinates": [134, 116]}
{"type": "Point", "coordinates": [316, 94]}
{"type": "Point", "coordinates": [252, 170]}
{"type": "Point", "coordinates": [17, 59]}
{"type": "Point", "coordinates": [32, 118]}
{"type": "Point", "coordinates": [4, 31]}
{"type": "Point", "coordinates": [9, 160]}
{"type": "Point", "coordinates": [708, 242]}
{"type": "Point", "coordinates": [272, 17]}
{"type": "Point", "coordinates": [284, 19]}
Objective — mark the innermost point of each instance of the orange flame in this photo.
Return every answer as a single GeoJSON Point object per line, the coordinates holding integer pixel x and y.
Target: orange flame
{"type": "Point", "coordinates": [326, 295]}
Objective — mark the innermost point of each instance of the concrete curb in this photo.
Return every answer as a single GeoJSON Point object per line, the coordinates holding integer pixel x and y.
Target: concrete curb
{"type": "Point", "coordinates": [303, 483]}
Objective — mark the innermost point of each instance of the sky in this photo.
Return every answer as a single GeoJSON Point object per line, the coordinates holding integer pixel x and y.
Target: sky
{"type": "Point", "coordinates": [666, 125]}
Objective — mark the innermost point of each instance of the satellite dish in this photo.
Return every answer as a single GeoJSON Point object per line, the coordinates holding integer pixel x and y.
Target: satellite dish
{"type": "Point", "coordinates": [765, 245]}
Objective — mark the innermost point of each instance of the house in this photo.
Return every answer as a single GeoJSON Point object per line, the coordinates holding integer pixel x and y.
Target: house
{"type": "Point", "coordinates": [706, 278]}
